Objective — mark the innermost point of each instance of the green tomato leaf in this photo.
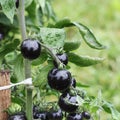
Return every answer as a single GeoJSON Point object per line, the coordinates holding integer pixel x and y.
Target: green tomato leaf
{"type": "Point", "coordinates": [42, 4]}
{"type": "Point", "coordinates": [73, 45]}
{"type": "Point", "coordinates": [32, 15]}
{"type": "Point", "coordinates": [63, 23]}
{"type": "Point", "coordinates": [49, 11]}
{"type": "Point", "coordinates": [28, 2]}
{"type": "Point", "coordinates": [109, 108]}
{"type": "Point", "coordinates": [8, 7]}
{"type": "Point", "coordinates": [19, 68]}
{"type": "Point", "coordinates": [53, 37]}
{"type": "Point", "coordinates": [83, 61]}
{"type": "Point", "coordinates": [82, 85]}
{"type": "Point", "coordinates": [7, 48]}
{"type": "Point", "coordinates": [43, 57]}
{"type": "Point", "coordinates": [41, 78]}
{"type": "Point", "coordinates": [88, 36]}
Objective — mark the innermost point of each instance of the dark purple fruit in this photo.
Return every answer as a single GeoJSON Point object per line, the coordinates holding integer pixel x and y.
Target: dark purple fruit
{"type": "Point", "coordinates": [74, 116]}
{"type": "Point", "coordinates": [86, 115]}
{"type": "Point", "coordinates": [63, 58]}
{"type": "Point", "coordinates": [73, 84]}
{"type": "Point", "coordinates": [19, 116]}
{"type": "Point", "coordinates": [17, 3]}
{"type": "Point", "coordinates": [59, 79]}
{"type": "Point", "coordinates": [30, 49]}
{"type": "Point", "coordinates": [40, 115]}
{"type": "Point", "coordinates": [1, 36]}
{"type": "Point", "coordinates": [68, 103]}
{"type": "Point", "coordinates": [55, 115]}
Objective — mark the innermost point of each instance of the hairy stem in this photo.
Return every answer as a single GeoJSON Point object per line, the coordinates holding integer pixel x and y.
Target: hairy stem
{"type": "Point", "coordinates": [29, 88]}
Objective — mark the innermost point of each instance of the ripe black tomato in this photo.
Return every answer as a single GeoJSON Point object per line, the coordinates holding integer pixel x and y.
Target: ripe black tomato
{"type": "Point", "coordinates": [59, 79]}
{"type": "Point", "coordinates": [55, 115]}
{"type": "Point", "coordinates": [74, 116]}
{"type": "Point", "coordinates": [40, 115]}
{"type": "Point", "coordinates": [73, 84]}
{"type": "Point", "coordinates": [18, 116]}
{"type": "Point", "coordinates": [86, 115]}
{"type": "Point", "coordinates": [17, 3]}
{"type": "Point", "coordinates": [63, 58]}
{"type": "Point", "coordinates": [68, 103]}
{"type": "Point", "coordinates": [30, 49]}
{"type": "Point", "coordinates": [1, 36]}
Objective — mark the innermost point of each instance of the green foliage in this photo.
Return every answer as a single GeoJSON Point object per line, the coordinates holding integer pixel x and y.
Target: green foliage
{"type": "Point", "coordinates": [70, 46]}
{"type": "Point", "coordinates": [8, 7]}
{"type": "Point", "coordinates": [19, 67]}
{"type": "Point", "coordinates": [54, 37]}
{"type": "Point", "coordinates": [83, 61]}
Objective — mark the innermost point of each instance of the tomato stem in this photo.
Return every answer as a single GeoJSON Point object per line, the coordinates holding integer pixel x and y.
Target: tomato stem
{"type": "Point", "coordinates": [29, 88]}
{"type": "Point", "coordinates": [50, 51]}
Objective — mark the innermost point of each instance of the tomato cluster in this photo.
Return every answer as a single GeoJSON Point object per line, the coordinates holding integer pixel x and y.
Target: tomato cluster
{"type": "Point", "coordinates": [18, 116]}
{"type": "Point", "coordinates": [45, 115]}
{"type": "Point", "coordinates": [60, 80]}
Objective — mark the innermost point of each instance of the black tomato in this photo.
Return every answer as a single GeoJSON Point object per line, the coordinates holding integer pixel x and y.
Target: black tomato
{"type": "Point", "coordinates": [86, 115]}
{"type": "Point", "coordinates": [74, 116]}
{"type": "Point", "coordinates": [73, 84]}
{"type": "Point", "coordinates": [35, 110]}
{"type": "Point", "coordinates": [63, 58]}
{"type": "Point", "coordinates": [55, 115]}
{"type": "Point", "coordinates": [30, 49]}
{"type": "Point", "coordinates": [1, 36]}
{"type": "Point", "coordinates": [17, 3]}
{"type": "Point", "coordinates": [40, 115]}
{"type": "Point", "coordinates": [19, 116]}
{"type": "Point", "coordinates": [68, 103]}
{"type": "Point", "coordinates": [59, 79]}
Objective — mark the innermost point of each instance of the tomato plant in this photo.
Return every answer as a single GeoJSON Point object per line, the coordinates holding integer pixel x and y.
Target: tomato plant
{"type": "Point", "coordinates": [38, 49]}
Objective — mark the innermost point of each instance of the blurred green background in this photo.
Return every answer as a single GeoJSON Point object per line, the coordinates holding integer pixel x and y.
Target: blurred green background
{"type": "Point", "coordinates": [103, 18]}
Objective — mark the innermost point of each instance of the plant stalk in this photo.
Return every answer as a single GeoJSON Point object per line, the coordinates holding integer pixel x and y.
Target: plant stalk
{"type": "Point", "coordinates": [29, 88]}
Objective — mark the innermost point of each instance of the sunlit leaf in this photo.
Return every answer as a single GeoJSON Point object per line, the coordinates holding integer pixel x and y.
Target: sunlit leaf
{"type": "Point", "coordinates": [88, 36]}
{"type": "Point", "coordinates": [41, 78]}
{"type": "Point", "coordinates": [108, 107]}
{"type": "Point", "coordinates": [8, 7]}
{"type": "Point", "coordinates": [53, 37]}
{"type": "Point", "coordinates": [83, 61]}
{"type": "Point", "coordinates": [73, 45]}
{"type": "Point", "coordinates": [19, 68]}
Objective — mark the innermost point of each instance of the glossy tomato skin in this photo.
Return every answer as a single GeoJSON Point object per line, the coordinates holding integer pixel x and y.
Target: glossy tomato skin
{"type": "Point", "coordinates": [40, 115]}
{"type": "Point", "coordinates": [59, 79]}
{"type": "Point", "coordinates": [74, 116]}
{"type": "Point", "coordinates": [55, 115]}
{"type": "Point", "coordinates": [86, 115]}
{"type": "Point", "coordinates": [68, 103]}
{"type": "Point", "coordinates": [17, 3]}
{"type": "Point", "coordinates": [30, 49]}
{"type": "Point", "coordinates": [73, 84]}
{"type": "Point", "coordinates": [19, 116]}
{"type": "Point", "coordinates": [1, 36]}
{"type": "Point", "coordinates": [63, 58]}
